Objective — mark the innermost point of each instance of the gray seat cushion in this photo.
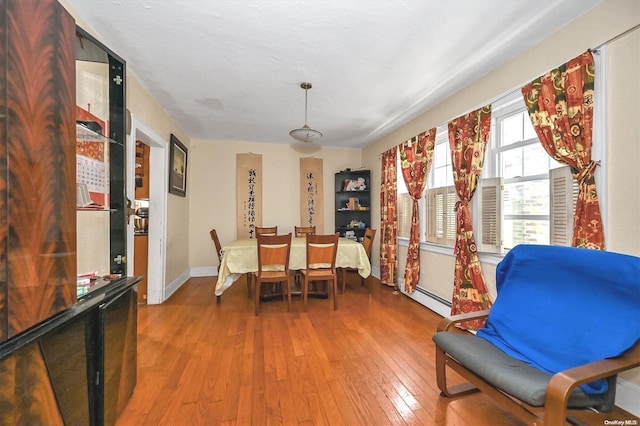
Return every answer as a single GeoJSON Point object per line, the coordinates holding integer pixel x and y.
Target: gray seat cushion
{"type": "Point", "coordinates": [510, 375]}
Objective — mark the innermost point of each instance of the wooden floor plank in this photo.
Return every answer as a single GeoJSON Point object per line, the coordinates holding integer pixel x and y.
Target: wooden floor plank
{"type": "Point", "coordinates": [371, 362]}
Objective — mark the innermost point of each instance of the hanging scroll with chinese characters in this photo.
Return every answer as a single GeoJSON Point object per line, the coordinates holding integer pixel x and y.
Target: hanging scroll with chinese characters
{"type": "Point", "coordinates": [311, 194]}
{"type": "Point", "coordinates": [249, 194]}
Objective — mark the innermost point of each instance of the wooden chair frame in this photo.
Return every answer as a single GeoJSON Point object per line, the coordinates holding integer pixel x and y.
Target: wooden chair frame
{"type": "Point", "coordinates": [216, 242]}
{"type": "Point", "coordinates": [554, 411]}
{"type": "Point", "coordinates": [369, 236]}
{"type": "Point", "coordinates": [273, 251]}
{"type": "Point", "coordinates": [321, 264]}
{"type": "Point", "coordinates": [301, 231]}
{"type": "Point", "coordinates": [266, 230]}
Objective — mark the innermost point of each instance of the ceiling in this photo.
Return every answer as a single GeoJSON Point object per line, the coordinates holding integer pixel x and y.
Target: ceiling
{"type": "Point", "coordinates": [231, 69]}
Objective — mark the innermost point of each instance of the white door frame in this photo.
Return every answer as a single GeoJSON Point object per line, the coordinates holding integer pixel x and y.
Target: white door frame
{"type": "Point", "coordinates": [158, 178]}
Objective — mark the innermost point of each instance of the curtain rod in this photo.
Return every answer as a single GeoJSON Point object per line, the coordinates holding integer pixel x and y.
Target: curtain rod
{"type": "Point", "coordinates": [612, 39]}
{"type": "Point", "coordinates": [504, 95]}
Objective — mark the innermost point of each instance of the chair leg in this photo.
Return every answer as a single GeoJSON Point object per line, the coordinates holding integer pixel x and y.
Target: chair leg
{"type": "Point", "coordinates": [249, 275]}
{"type": "Point", "coordinates": [334, 282]}
{"type": "Point", "coordinates": [288, 295]}
{"type": "Point", "coordinates": [256, 296]}
{"type": "Point", "coordinates": [305, 292]}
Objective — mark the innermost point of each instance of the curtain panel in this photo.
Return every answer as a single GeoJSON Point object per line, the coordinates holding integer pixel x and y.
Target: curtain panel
{"type": "Point", "coordinates": [416, 156]}
{"type": "Point", "coordinates": [468, 137]}
{"type": "Point", "coordinates": [560, 105]}
{"type": "Point", "coordinates": [389, 219]}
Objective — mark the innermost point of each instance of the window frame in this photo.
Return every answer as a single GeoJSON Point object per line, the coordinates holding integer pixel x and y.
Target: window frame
{"type": "Point", "coordinates": [507, 101]}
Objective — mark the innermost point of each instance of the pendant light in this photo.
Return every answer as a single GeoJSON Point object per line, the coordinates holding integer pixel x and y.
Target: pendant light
{"type": "Point", "coordinates": [305, 133]}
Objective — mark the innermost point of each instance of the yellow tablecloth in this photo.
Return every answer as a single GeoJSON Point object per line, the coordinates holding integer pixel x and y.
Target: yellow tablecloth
{"type": "Point", "coordinates": [241, 256]}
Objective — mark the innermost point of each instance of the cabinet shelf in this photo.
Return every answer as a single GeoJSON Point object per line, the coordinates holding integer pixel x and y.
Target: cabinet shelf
{"type": "Point", "coordinates": [353, 206]}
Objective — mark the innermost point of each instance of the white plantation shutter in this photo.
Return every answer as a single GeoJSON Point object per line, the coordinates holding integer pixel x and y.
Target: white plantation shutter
{"type": "Point", "coordinates": [405, 206]}
{"type": "Point", "coordinates": [563, 192]}
{"type": "Point", "coordinates": [450, 216]}
{"type": "Point", "coordinates": [441, 217]}
{"type": "Point", "coordinates": [434, 215]}
{"type": "Point", "coordinates": [431, 214]}
{"type": "Point", "coordinates": [489, 237]}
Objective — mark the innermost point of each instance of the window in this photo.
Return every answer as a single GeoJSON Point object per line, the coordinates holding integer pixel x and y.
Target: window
{"type": "Point", "coordinates": [524, 196]}
{"type": "Point", "coordinates": [441, 194]}
{"type": "Point", "coordinates": [521, 171]}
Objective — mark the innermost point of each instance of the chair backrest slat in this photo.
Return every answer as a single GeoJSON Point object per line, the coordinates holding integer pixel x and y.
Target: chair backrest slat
{"type": "Point", "coordinates": [301, 231]}
{"type": "Point", "coordinates": [273, 252]}
{"type": "Point", "coordinates": [321, 251]}
{"type": "Point", "coordinates": [266, 230]}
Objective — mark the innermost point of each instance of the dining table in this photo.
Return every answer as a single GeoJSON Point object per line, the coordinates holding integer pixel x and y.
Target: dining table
{"type": "Point", "coordinates": [241, 256]}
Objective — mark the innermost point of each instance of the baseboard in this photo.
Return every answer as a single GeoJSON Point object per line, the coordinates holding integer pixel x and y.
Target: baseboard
{"type": "Point", "coordinates": [176, 284]}
{"type": "Point", "coordinates": [427, 299]}
{"type": "Point", "coordinates": [204, 271]}
{"type": "Point", "coordinates": [627, 396]}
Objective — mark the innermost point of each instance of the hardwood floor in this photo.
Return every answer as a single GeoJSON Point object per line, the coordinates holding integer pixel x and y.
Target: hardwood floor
{"type": "Point", "coordinates": [371, 362]}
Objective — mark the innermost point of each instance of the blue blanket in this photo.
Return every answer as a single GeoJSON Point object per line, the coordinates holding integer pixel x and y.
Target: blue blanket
{"type": "Point", "coordinates": [561, 307]}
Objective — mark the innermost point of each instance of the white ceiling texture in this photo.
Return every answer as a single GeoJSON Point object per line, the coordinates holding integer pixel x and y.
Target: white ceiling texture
{"type": "Point", "coordinates": [231, 69]}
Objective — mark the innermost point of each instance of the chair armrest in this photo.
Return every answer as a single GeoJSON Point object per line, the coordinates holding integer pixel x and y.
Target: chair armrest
{"type": "Point", "coordinates": [562, 383]}
{"type": "Point", "coordinates": [451, 321]}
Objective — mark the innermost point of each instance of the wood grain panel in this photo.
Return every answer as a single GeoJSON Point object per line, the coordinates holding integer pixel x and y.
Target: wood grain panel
{"type": "Point", "coordinates": [26, 394]}
{"type": "Point", "coordinates": [41, 262]}
{"type": "Point", "coordinates": [3, 173]}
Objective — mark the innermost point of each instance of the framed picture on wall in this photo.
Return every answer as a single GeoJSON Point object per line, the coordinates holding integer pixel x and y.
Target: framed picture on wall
{"type": "Point", "coordinates": [177, 167]}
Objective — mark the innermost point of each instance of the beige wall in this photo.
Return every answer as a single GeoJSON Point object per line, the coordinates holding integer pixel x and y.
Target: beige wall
{"type": "Point", "coordinates": [145, 108]}
{"type": "Point", "coordinates": [609, 19]}
{"type": "Point", "coordinates": [213, 189]}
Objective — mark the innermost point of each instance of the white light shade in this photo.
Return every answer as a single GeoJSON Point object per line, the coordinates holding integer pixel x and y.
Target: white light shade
{"type": "Point", "coordinates": [305, 134]}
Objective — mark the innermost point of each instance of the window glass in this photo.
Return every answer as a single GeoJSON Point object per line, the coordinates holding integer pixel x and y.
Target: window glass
{"type": "Point", "coordinates": [511, 129]}
{"type": "Point", "coordinates": [530, 197]}
{"type": "Point", "coordinates": [535, 159]}
{"type": "Point", "coordinates": [525, 231]}
{"type": "Point", "coordinates": [511, 161]}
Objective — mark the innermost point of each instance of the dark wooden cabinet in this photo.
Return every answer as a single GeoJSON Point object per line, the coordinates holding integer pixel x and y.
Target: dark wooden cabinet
{"type": "Point", "coordinates": [62, 360]}
{"type": "Point", "coordinates": [353, 202]}
{"type": "Point", "coordinates": [37, 162]}
{"type": "Point", "coordinates": [76, 368]}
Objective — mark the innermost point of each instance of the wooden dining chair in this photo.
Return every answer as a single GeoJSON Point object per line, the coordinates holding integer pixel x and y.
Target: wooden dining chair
{"type": "Point", "coordinates": [218, 246]}
{"type": "Point", "coordinates": [301, 231]}
{"type": "Point", "coordinates": [216, 242]}
{"type": "Point", "coordinates": [321, 265]}
{"type": "Point", "coordinates": [369, 235]}
{"type": "Point", "coordinates": [273, 265]}
{"type": "Point", "coordinates": [266, 230]}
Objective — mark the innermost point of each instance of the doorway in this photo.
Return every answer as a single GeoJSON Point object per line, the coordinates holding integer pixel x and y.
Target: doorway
{"type": "Point", "coordinates": [157, 207]}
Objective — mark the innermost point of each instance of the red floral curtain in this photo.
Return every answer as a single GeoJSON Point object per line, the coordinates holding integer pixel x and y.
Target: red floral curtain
{"type": "Point", "coordinates": [468, 140]}
{"type": "Point", "coordinates": [560, 104]}
{"type": "Point", "coordinates": [389, 219]}
{"type": "Point", "coordinates": [415, 159]}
